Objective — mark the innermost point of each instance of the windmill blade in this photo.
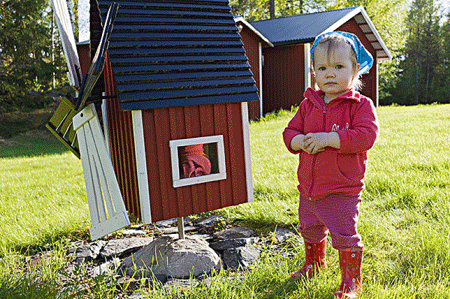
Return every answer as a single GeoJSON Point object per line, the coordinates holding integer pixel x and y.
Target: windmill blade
{"type": "Point", "coordinates": [99, 58]}
{"type": "Point", "coordinates": [60, 124]}
{"type": "Point", "coordinates": [68, 41]}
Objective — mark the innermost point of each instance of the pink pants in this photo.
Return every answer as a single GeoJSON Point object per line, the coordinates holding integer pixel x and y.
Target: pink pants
{"type": "Point", "coordinates": [337, 214]}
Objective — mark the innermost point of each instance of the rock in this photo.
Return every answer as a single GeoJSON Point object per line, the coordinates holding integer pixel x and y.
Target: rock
{"type": "Point", "coordinates": [235, 233]}
{"type": "Point", "coordinates": [231, 243]}
{"type": "Point", "coordinates": [183, 284]}
{"type": "Point", "coordinates": [120, 247]}
{"type": "Point", "coordinates": [167, 223]}
{"type": "Point", "coordinates": [133, 232]}
{"type": "Point", "coordinates": [127, 283]}
{"type": "Point", "coordinates": [173, 230]}
{"type": "Point", "coordinates": [39, 258]}
{"type": "Point", "coordinates": [211, 221]}
{"type": "Point", "coordinates": [88, 252]}
{"type": "Point", "coordinates": [241, 257]}
{"type": "Point", "coordinates": [282, 234]}
{"type": "Point", "coordinates": [139, 226]}
{"type": "Point", "coordinates": [205, 237]}
{"type": "Point", "coordinates": [106, 268]}
{"type": "Point", "coordinates": [177, 258]}
{"type": "Point", "coordinates": [139, 295]}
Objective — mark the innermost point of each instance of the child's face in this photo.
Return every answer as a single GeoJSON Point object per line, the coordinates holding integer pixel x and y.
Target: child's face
{"type": "Point", "coordinates": [334, 71]}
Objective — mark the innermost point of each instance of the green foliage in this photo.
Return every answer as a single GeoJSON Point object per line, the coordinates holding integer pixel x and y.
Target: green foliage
{"type": "Point", "coordinates": [26, 66]}
{"type": "Point", "coordinates": [259, 9]}
{"type": "Point", "coordinates": [421, 50]}
{"type": "Point", "coordinates": [441, 84]}
{"type": "Point", "coordinates": [422, 67]}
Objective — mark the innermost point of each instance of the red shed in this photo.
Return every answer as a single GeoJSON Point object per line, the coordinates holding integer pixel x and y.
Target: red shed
{"type": "Point", "coordinates": [287, 65]}
{"type": "Point", "coordinates": [254, 42]}
{"type": "Point", "coordinates": [176, 82]}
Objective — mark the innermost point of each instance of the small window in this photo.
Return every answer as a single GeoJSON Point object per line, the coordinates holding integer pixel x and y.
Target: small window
{"type": "Point", "coordinates": [197, 160]}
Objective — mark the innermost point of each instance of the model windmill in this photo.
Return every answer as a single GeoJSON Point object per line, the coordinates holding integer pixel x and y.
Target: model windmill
{"type": "Point", "coordinates": [177, 83]}
{"type": "Point", "coordinates": [78, 128]}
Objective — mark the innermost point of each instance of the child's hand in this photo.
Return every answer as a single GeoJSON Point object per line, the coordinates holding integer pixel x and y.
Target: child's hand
{"type": "Point", "coordinates": [297, 143]}
{"type": "Point", "coordinates": [315, 142]}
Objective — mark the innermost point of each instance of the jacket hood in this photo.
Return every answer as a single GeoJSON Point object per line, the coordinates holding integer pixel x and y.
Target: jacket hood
{"type": "Point", "coordinates": [315, 96]}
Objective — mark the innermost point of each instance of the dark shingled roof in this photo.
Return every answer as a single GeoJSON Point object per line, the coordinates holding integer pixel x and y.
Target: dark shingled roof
{"type": "Point", "coordinates": [305, 28]}
{"type": "Point", "coordinates": [301, 28]}
{"type": "Point", "coordinates": [186, 52]}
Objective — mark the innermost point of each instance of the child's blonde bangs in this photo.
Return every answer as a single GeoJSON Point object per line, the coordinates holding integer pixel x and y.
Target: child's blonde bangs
{"type": "Point", "coordinates": [331, 43]}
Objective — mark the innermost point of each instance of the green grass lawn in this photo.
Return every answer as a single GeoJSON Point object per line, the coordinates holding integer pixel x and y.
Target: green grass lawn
{"type": "Point", "coordinates": [404, 221]}
{"type": "Point", "coordinates": [42, 192]}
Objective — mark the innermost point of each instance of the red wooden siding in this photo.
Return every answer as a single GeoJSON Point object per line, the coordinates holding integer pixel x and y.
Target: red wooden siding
{"type": "Point", "coordinates": [283, 77]}
{"type": "Point", "coordinates": [251, 46]}
{"type": "Point", "coordinates": [160, 126]}
{"type": "Point", "coordinates": [368, 79]}
{"type": "Point", "coordinates": [85, 57]}
{"type": "Point", "coordinates": [164, 124]}
{"type": "Point", "coordinates": [122, 146]}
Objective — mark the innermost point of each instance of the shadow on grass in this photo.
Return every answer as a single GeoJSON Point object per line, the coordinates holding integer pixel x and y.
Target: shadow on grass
{"type": "Point", "coordinates": [47, 242]}
{"type": "Point", "coordinates": [298, 289]}
{"type": "Point", "coordinates": [31, 144]}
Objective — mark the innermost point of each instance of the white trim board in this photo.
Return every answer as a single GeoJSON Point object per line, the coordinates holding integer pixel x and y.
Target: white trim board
{"type": "Point", "coordinates": [141, 167]}
{"type": "Point", "coordinates": [247, 153]}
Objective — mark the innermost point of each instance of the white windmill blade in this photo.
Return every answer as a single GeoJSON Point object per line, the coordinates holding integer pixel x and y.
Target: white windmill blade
{"type": "Point", "coordinates": [65, 29]}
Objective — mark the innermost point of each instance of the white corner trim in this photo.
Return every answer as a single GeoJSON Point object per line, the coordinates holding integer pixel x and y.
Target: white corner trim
{"type": "Point", "coordinates": [141, 166]}
{"type": "Point", "coordinates": [352, 14]}
{"type": "Point", "coordinates": [377, 91]}
{"type": "Point", "coordinates": [375, 32]}
{"type": "Point", "coordinates": [241, 19]}
{"type": "Point", "coordinates": [247, 153]}
{"type": "Point", "coordinates": [307, 56]}
{"type": "Point", "coordinates": [260, 58]}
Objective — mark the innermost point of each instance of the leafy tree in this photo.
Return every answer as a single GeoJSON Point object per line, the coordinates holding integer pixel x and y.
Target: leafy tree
{"type": "Point", "coordinates": [292, 7]}
{"type": "Point", "coordinates": [25, 52]}
{"type": "Point", "coordinates": [255, 10]}
{"type": "Point", "coordinates": [441, 85]}
{"type": "Point", "coordinates": [421, 58]}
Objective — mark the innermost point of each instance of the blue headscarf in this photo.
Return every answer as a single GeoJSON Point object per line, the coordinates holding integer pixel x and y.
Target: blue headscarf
{"type": "Point", "coordinates": [363, 57]}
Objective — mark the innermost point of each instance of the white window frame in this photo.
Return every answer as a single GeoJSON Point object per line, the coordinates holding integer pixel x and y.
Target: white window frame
{"type": "Point", "coordinates": [175, 144]}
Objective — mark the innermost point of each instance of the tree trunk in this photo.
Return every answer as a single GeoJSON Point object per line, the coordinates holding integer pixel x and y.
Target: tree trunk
{"type": "Point", "coordinates": [416, 93]}
{"type": "Point", "coordinates": [53, 48]}
{"type": "Point", "coordinates": [427, 86]}
{"type": "Point", "coordinates": [272, 9]}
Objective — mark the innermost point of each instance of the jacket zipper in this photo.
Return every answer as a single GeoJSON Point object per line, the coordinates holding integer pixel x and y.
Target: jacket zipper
{"type": "Point", "coordinates": [324, 119]}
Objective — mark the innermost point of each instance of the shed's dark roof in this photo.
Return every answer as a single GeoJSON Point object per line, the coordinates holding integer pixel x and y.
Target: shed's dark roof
{"type": "Point", "coordinates": [177, 53]}
{"type": "Point", "coordinates": [301, 28]}
{"type": "Point", "coordinates": [305, 28]}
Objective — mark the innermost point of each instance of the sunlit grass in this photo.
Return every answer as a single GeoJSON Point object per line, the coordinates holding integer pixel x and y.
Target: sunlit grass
{"type": "Point", "coordinates": [404, 220]}
{"type": "Point", "coordinates": [42, 197]}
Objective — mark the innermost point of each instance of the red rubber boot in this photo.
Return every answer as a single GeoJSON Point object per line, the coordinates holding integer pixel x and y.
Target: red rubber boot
{"type": "Point", "coordinates": [314, 260]}
{"type": "Point", "coordinates": [350, 263]}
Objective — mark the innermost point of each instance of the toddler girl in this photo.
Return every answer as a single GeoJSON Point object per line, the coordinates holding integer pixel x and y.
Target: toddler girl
{"type": "Point", "coordinates": [332, 131]}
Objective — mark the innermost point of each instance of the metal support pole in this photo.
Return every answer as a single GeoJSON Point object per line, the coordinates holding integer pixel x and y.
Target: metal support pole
{"type": "Point", "coordinates": [180, 221]}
